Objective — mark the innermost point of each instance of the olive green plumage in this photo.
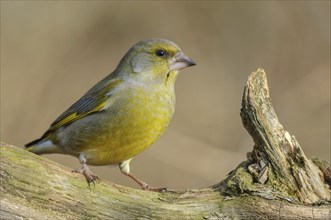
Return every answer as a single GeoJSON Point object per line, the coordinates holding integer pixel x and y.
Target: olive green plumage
{"type": "Point", "coordinates": [124, 113]}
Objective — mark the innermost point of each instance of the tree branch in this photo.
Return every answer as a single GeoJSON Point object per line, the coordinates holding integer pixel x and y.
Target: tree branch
{"type": "Point", "coordinates": [277, 181]}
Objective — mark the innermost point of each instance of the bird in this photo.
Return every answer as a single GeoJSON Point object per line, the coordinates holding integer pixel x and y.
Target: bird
{"type": "Point", "coordinates": [123, 114]}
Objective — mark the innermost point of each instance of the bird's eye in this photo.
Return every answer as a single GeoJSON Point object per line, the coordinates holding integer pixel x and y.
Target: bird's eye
{"type": "Point", "coordinates": [160, 53]}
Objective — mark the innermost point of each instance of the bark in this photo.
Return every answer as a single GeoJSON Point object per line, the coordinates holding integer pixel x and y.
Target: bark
{"type": "Point", "coordinates": [277, 181]}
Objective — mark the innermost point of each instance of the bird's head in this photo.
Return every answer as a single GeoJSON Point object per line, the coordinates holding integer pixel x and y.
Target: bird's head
{"type": "Point", "coordinates": [157, 60]}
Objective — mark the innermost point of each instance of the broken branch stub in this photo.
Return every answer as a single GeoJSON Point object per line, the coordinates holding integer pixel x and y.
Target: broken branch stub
{"type": "Point", "coordinates": [277, 158]}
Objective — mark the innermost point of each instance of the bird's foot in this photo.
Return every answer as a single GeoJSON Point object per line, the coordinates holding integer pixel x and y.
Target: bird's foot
{"type": "Point", "coordinates": [147, 187]}
{"type": "Point", "coordinates": [89, 176]}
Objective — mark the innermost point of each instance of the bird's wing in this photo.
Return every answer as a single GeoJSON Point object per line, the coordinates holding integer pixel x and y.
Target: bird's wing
{"type": "Point", "coordinates": [93, 101]}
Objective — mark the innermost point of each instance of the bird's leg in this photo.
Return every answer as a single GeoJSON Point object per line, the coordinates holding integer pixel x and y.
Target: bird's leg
{"type": "Point", "coordinates": [89, 176]}
{"type": "Point", "coordinates": [125, 169]}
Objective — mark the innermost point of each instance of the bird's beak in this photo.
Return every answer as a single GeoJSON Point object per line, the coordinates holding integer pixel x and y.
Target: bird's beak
{"type": "Point", "coordinates": [181, 61]}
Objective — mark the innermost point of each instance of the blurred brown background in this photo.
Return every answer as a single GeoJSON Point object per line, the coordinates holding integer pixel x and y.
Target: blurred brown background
{"type": "Point", "coordinates": [53, 52]}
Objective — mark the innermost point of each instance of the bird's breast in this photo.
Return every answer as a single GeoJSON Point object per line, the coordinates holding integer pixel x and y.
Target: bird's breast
{"type": "Point", "coordinates": [146, 113]}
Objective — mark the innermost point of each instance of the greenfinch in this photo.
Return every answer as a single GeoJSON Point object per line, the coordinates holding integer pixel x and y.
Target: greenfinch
{"type": "Point", "coordinates": [121, 115]}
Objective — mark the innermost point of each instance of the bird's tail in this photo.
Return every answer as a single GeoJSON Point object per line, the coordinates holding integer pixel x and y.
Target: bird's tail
{"type": "Point", "coordinates": [42, 146]}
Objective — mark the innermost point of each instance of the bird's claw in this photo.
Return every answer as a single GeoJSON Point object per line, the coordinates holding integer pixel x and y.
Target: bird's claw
{"type": "Point", "coordinates": [154, 189]}
{"type": "Point", "coordinates": [89, 176]}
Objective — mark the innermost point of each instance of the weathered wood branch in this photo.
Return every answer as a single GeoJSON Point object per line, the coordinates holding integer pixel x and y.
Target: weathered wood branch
{"type": "Point", "coordinates": [290, 170]}
{"type": "Point", "coordinates": [277, 181]}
